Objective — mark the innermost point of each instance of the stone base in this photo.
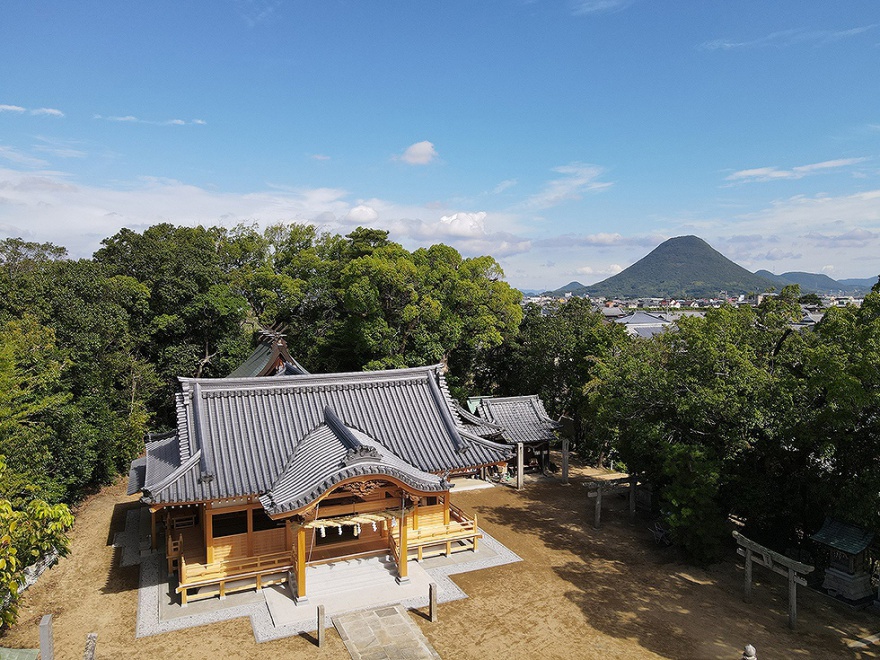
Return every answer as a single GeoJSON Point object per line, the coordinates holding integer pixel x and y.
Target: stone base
{"type": "Point", "coordinates": [848, 587]}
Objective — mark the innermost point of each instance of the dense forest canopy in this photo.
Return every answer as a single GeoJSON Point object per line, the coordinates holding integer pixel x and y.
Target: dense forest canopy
{"type": "Point", "coordinates": [731, 414]}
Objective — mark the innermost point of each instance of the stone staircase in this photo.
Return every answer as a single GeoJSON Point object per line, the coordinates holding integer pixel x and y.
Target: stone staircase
{"type": "Point", "coordinates": [344, 577]}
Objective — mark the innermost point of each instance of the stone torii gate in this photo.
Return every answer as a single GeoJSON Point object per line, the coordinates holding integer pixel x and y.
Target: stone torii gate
{"type": "Point", "coordinates": [794, 570]}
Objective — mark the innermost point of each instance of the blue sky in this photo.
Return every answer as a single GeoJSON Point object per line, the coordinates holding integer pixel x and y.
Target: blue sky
{"type": "Point", "coordinates": [565, 138]}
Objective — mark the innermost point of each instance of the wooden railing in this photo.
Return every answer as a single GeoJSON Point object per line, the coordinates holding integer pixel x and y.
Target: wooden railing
{"type": "Point", "coordinates": [174, 551]}
{"type": "Point", "coordinates": [246, 573]}
{"type": "Point", "coordinates": [435, 537]}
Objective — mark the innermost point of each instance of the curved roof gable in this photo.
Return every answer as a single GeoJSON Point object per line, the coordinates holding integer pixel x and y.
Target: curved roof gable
{"type": "Point", "coordinates": [333, 453]}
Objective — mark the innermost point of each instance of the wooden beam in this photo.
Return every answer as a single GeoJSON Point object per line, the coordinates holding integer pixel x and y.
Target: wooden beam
{"type": "Point", "coordinates": [403, 560]}
{"type": "Point", "coordinates": [209, 537]}
{"type": "Point", "coordinates": [250, 533]}
{"type": "Point", "coordinates": [153, 542]}
{"type": "Point", "coordinates": [301, 565]}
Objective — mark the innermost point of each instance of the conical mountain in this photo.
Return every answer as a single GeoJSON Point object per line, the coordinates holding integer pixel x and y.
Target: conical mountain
{"type": "Point", "coordinates": [682, 267]}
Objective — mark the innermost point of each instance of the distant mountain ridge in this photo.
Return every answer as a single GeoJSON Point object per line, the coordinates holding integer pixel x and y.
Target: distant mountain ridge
{"type": "Point", "coordinates": [820, 283]}
{"type": "Point", "coordinates": [688, 267]}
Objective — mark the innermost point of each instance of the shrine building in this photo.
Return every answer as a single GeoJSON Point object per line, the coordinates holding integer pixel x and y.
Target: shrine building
{"type": "Point", "coordinates": [265, 476]}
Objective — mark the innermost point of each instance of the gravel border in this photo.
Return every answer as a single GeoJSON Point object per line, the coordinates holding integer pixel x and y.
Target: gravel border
{"type": "Point", "coordinates": [149, 591]}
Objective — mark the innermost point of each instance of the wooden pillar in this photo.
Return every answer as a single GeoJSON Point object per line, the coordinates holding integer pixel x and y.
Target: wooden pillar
{"type": "Point", "coordinates": [404, 553]}
{"type": "Point", "coordinates": [446, 509]}
{"type": "Point", "coordinates": [597, 517]}
{"type": "Point", "coordinates": [301, 565]}
{"type": "Point", "coordinates": [415, 515]}
{"type": "Point", "coordinates": [153, 542]}
{"type": "Point", "coordinates": [250, 532]}
{"type": "Point", "coordinates": [747, 586]}
{"type": "Point", "coordinates": [519, 465]}
{"type": "Point", "coordinates": [565, 450]}
{"type": "Point", "coordinates": [632, 498]}
{"type": "Point", "coordinates": [209, 537]}
{"type": "Point", "coordinates": [792, 599]}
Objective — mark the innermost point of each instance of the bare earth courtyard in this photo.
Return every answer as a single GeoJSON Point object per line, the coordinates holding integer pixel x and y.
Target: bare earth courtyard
{"type": "Point", "coordinates": [578, 593]}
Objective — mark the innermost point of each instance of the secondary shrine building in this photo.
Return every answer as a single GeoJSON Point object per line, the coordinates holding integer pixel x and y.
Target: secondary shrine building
{"type": "Point", "coordinates": [265, 476]}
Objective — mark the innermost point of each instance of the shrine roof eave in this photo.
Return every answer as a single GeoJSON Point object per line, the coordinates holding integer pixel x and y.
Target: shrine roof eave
{"type": "Point", "coordinates": [363, 472]}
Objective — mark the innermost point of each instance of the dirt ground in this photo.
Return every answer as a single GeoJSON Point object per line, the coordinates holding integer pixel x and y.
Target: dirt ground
{"type": "Point", "coordinates": [578, 593]}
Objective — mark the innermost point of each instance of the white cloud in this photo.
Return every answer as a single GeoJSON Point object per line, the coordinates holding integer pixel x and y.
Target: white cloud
{"type": "Point", "coordinates": [504, 185]}
{"type": "Point", "coordinates": [320, 157]}
{"type": "Point", "coordinates": [583, 7]}
{"type": "Point", "coordinates": [15, 156]}
{"type": "Point", "coordinates": [785, 38]}
{"type": "Point", "coordinates": [420, 153]}
{"type": "Point", "coordinates": [47, 112]}
{"type": "Point", "coordinates": [362, 214]}
{"type": "Point", "coordinates": [799, 172]}
{"type": "Point", "coordinates": [465, 224]}
{"type": "Point", "coordinates": [131, 119]}
{"type": "Point", "coordinates": [11, 108]}
{"type": "Point", "coordinates": [577, 179]}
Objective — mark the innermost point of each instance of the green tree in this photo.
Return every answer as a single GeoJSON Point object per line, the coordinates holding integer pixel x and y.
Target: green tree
{"type": "Point", "coordinates": [561, 353]}
{"type": "Point", "coordinates": [27, 532]}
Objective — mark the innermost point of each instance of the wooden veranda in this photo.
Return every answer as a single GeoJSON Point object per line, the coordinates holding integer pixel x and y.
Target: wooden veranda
{"type": "Point", "coordinates": [207, 566]}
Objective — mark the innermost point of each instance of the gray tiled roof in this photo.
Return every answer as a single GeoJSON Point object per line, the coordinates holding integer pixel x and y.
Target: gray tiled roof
{"type": "Point", "coordinates": [137, 475]}
{"type": "Point", "coordinates": [479, 426]}
{"type": "Point", "coordinates": [332, 453]}
{"type": "Point", "coordinates": [842, 536]}
{"type": "Point", "coordinates": [522, 417]}
{"type": "Point", "coordinates": [236, 436]}
{"type": "Point", "coordinates": [268, 351]}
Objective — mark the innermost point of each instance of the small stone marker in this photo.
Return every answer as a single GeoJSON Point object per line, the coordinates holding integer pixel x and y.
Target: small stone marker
{"type": "Point", "coordinates": [91, 646]}
{"type": "Point", "coordinates": [749, 653]}
{"type": "Point", "coordinates": [321, 632]}
{"type": "Point", "coordinates": [432, 606]}
{"type": "Point", "coordinates": [47, 645]}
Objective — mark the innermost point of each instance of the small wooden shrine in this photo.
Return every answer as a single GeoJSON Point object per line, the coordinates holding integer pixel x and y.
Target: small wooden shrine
{"type": "Point", "coordinates": [524, 424]}
{"type": "Point", "coordinates": [847, 576]}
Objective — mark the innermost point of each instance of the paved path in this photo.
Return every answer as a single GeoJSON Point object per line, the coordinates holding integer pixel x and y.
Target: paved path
{"type": "Point", "coordinates": [384, 633]}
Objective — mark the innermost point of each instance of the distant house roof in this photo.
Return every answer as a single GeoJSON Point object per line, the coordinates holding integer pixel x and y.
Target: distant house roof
{"type": "Point", "coordinates": [641, 318]}
{"type": "Point", "coordinates": [523, 418]}
{"type": "Point", "coordinates": [844, 537]}
{"type": "Point", "coordinates": [643, 324]}
{"type": "Point", "coordinates": [612, 312]}
{"type": "Point", "coordinates": [269, 358]}
{"type": "Point", "coordinates": [243, 436]}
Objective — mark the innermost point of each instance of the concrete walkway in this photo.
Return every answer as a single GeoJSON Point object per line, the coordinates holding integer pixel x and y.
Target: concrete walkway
{"type": "Point", "coordinates": [385, 633]}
